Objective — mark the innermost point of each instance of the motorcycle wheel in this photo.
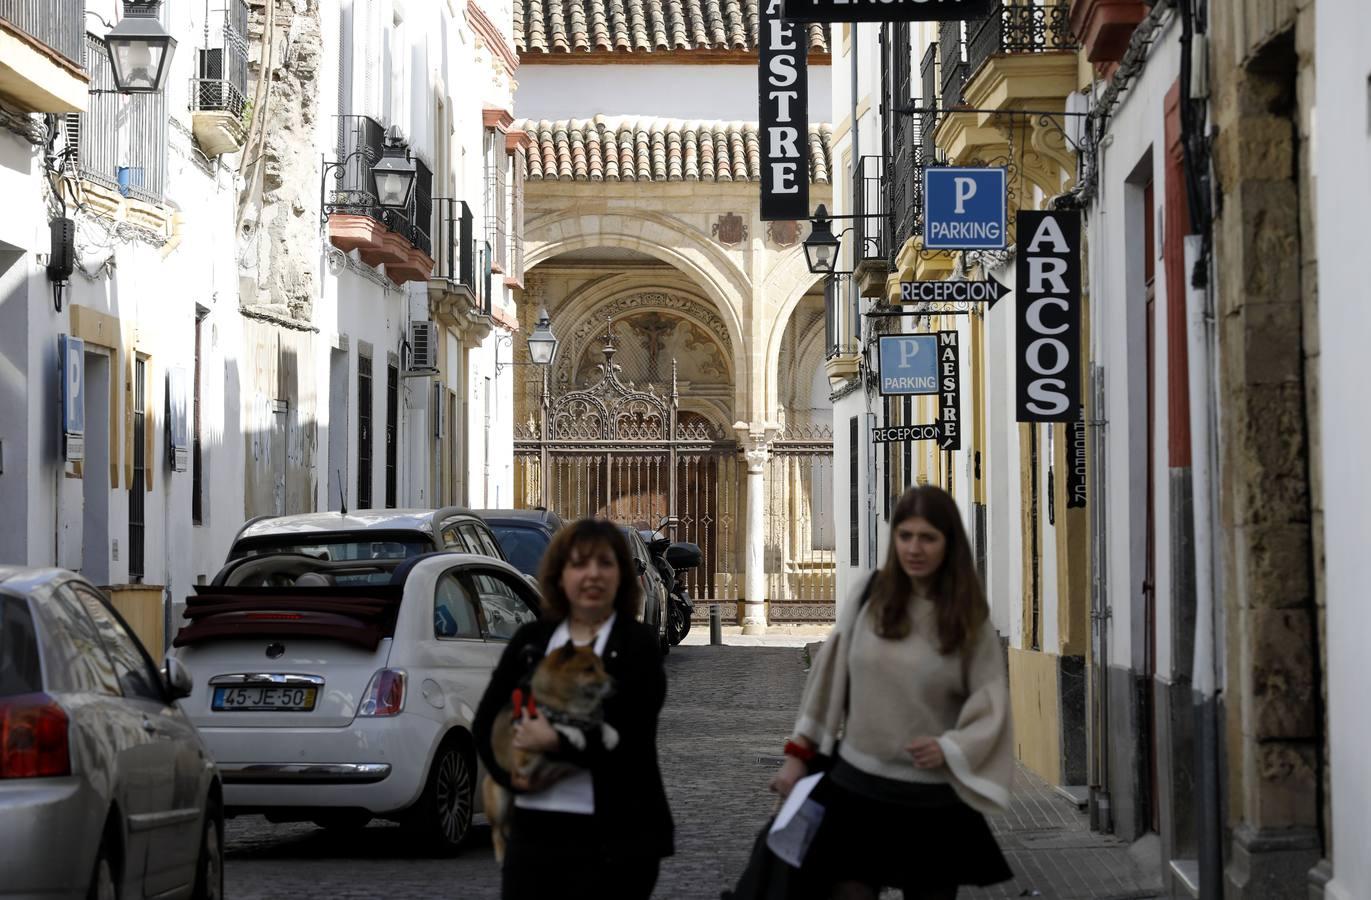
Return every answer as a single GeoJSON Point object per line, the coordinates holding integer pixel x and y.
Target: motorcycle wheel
{"type": "Point", "coordinates": [678, 622]}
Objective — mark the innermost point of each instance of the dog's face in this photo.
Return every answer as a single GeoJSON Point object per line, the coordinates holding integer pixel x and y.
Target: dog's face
{"type": "Point", "coordinates": [571, 679]}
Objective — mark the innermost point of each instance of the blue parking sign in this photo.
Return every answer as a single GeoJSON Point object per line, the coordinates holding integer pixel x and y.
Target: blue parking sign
{"type": "Point", "coordinates": [964, 208]}
{"type": "Point", "coordinates": [909, 364]}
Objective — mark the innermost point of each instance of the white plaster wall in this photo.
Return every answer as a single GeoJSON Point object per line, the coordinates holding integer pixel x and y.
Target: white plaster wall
{"type": "Point", "coordinates": [1004, 564]}
{"type": "Point", "coordinates": [1118, 340]}
{"type": "Point", "coordinates": [706, 92]}
{"type": "Point", "coordinates": [1342, 171]}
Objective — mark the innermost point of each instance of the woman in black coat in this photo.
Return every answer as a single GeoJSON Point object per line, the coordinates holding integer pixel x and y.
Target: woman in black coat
{"type": "Point", "coordinates": [601, 832]}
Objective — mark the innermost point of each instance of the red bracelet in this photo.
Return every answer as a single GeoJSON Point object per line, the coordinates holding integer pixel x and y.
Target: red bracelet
{"type": "Point", "coordinates": [799, 751]}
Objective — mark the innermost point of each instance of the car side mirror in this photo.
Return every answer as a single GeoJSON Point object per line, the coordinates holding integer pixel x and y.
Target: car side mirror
{"type": "Point", "coordinates": [177, 678]}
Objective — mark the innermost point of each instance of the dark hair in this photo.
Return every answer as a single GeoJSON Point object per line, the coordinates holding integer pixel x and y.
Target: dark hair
{"type": "Point", "coordinates": [957, 591]}
{"type": "Point", "coordinates": [574, 540]}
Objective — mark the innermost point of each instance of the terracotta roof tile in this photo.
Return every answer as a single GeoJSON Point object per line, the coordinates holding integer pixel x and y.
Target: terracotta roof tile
{"type": "Point", "coordinates": [647, 149]}
{"type": "Point", "coordinates": [641, 26]}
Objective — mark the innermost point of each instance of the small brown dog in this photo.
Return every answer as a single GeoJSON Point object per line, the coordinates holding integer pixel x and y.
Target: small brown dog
{"type": "Point", "coordinates": [569, 687]}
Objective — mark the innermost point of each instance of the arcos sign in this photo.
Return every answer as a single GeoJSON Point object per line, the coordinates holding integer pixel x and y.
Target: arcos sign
{"type": "Point", "coordinates": [1048, 332]}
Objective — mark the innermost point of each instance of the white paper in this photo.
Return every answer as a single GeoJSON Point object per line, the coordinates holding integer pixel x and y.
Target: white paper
{"type": "Point", "coordinates": [796, 823]}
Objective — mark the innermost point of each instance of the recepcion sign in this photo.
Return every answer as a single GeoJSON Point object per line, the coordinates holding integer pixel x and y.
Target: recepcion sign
{"type": "Point", "coordinates": [964, 208]}
{"type": "Point", "coordinates": [885, 10]}
{"type": "Point", "coordinates": [783, 122]}
{"type": "Point", "coordinates": [898, 434]}
{"type": "Point", "coordinates": [909, 364]}
{"type": "Point", "coordinates": [1076, 463]}
{"type": "Point", "coordinates": [72, 354]}
{"type": "Point", "coordinates": [1048, 327]}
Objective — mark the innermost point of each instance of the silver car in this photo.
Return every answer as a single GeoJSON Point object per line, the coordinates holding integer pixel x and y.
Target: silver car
{"type": "Point", "coordinates": [105, 787]}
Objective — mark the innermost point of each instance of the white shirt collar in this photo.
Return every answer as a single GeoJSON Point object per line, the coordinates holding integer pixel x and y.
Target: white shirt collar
{"type": "Point", "coordinates": [562, 633]}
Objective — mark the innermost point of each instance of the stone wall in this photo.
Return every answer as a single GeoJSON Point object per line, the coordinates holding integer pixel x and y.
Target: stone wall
{"type": "Point", "coordinates": [278, 210]}
{"type": "Point", "coordinates": [1262, 74]}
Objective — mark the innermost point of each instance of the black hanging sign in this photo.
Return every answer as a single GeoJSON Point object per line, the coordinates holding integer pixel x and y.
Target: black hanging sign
{"type": "Point", "coordinates": [783, 83]}
{"type": "Point", "coordinates": [886, 10]}
{"type": "Point", "coordinates": [1075, 462]}
{"type": "Point", "coordinates": [949, 392]}
{"type": "Point", "coordinates": [1048, 327]}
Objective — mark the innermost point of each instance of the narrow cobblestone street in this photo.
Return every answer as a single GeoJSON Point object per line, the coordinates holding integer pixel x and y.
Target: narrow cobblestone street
{"type": "Point", "coordinates": [728, 709]}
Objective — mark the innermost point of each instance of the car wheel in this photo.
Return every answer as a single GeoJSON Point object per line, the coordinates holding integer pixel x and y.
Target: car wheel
{"type": "Point", "coordinates": [102, 886]}
{"type": "Point", "coordinates": [443, 814]}
{"type": "Point", "coordinates": [209, 871]}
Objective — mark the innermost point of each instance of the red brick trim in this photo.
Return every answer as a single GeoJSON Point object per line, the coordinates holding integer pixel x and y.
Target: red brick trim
{"type": "Point", "coordinates": [494, 117]}
{"type": "Point", "coordinates": [516, 139]}
{"type": "Point", "coordinates": [493, 37]}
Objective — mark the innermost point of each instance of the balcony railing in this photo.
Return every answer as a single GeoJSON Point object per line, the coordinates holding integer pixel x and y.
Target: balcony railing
{"type": "Point", "coordinates": [495, 205]}
{"type": "Point", "coordinates": [842, 317]}
{"type": "Point", "coordinates": [415, 222]}
{"type": "Point", "coordinates": [120, 140]}
{"type": "Point", "coordinates": [454, 250]}
{"type": "Point", "coordinates": [59, 24]}
{"type": "Point", "coordinates": [952, 61]}
{"type": "Point", "coordinates": [222, 84]}
{"type": "Point", "coordinates": [1019, 29]}
{"type": "Point", "coordinates": [871, 236]}
{"type": "Point", "coordinates": [928, 119]}
{"type": "Point", "coordinates": [360, 139]}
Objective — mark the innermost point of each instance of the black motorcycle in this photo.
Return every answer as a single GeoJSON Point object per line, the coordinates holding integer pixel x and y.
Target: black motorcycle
{"type": "Point", "coordinates": [672, 559]}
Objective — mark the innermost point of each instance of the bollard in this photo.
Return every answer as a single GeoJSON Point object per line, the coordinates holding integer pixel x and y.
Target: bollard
{"type": "Point", "coordinates": [716, 626]}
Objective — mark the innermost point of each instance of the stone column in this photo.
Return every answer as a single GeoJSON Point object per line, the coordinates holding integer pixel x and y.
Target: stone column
{"type": "Point", "coordinates": [754, 595]}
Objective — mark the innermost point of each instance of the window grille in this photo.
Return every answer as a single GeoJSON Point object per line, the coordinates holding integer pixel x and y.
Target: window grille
{"type": "Point", "coordinates": [392, 432]}
{"type": "Point", "coordinates": [121, 139]}
{"type": "Point", "coordinates": [222, 77]}
{"type": "Point", "coordinates": [138, 487]}
{"type": "Point", "coordinates": [58, 24]}
{"type": "Point", "coordinates": [363, 432]}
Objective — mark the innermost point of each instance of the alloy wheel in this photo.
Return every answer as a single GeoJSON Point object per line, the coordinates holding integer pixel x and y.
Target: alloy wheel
{"type": "Point", "coordinates": [453, 796]}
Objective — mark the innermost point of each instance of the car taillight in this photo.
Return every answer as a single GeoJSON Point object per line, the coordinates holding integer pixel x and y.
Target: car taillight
{"type": "Point", "coordinates": [33, 737]}
{"type": "Point", "coordinates": [385, 695]}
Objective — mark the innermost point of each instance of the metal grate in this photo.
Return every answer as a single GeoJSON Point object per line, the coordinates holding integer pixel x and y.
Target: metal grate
{"type": "Point", "coordinates": [354, 190]}
{"type": "Point", "coordinates": [842, 316]}
{"type": "Point", "coordinates": [872, 234]}
{"type": "Point", "coordinates": [1014, 28]}
{"type": "Point", "coordinates": [197, 503]}
{"type": "Point", "coordinates": [138, 487]}
{"type": "Point", "coordinates": [454, 249]}
{"type": "Point", "coordinates": [363, 432]}
{"type": "Point", "coordinates": [121, 139]}
{"type": "Point", "coordinates": [497, 165]}
{"type": "Point", "coordinates": [952, 61]}
{"type": "Point", "coordinates": [59, 24]}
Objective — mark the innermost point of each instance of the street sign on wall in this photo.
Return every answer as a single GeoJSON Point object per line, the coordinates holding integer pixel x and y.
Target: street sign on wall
{"type": "Point", "coordinates": [1075, 463]}
{"type": "Point", "coordinates": [988, 292]}
{"type": "Point", "coordinates": [908, 364]}
{"type": "Point", "coordinates": [964, 208]}
{"type": "Point", "coordinates": [949, 392]}
{"type": "Point", "coordinates": [783, 120]}
{"type": "Point", "coordinates": [72, 354]}
{"type": "Point", "coordinates": [898, 434]}
{"type": "Point", "coordinates": [1048, 327]}
{"type": "Point", "coordinates": [885, 10]}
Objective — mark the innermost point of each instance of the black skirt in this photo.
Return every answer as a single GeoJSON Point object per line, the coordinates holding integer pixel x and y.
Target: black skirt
{"type": "Point", "coordinates": [894, 834]}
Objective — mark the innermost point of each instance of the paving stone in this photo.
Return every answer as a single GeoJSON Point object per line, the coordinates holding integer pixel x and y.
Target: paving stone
{"type": "Point", "coordinates": [728, 710]}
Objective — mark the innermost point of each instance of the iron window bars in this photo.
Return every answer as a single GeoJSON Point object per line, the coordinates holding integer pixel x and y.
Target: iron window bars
{"type": "Point", "coordinates": [222, 76]}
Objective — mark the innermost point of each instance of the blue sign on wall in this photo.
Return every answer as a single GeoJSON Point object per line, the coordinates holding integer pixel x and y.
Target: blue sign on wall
{"type": "Point", "coordinates": [909, 364]}
{"type": "Point", "coordinates": [964, 208]}
{"type": "Point", "coordinates": [72, 353]}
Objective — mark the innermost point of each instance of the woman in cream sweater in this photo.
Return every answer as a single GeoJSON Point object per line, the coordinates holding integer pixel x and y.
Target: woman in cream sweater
{"type": "Point", "coordinates": [913, 680]}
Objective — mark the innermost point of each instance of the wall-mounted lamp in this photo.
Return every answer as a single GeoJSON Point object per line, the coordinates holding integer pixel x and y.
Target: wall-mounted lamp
{"type": "Point", "coordinates": [140, 50]}
{"type": "Point", "coordinates": [394, 175]}
{"type": "Point", "coordinates": [542, 345]}
{"type": "Point", "coordinates": [821, 247]}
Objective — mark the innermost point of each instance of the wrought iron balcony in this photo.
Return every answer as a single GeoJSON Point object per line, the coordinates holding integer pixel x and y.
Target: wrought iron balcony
{"type": "Point", "coordinates": [222, 84]}
{"type": "Point", "coordinates": [120, 140]}
{"type": "Point", "coordinates": [842, 317]}
{"type": "Point", "coordinates": [453, 244]}
{"type": "Point", "coordinates": [871, 236]}
{"type": "Point", "coordinates": [1016, 29]}
{"type": "Point", "coordinates": [360, 139]}
{"type": "Point", "coordinates": [415, 222]}
{"type": "Point", "coordinates": [952, 62]}
{"type": "Point", "coordinates": [58, 24]}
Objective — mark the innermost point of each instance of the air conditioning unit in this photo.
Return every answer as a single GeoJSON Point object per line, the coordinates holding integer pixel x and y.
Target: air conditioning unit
{"type": "Point", "coordinates": [423, 349]}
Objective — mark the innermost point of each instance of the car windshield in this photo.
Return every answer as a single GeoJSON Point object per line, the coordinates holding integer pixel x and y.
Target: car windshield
{"type": "Point", "coordinates": [332, 548]}
{"type": "Point", "coordinates": [523, 545]}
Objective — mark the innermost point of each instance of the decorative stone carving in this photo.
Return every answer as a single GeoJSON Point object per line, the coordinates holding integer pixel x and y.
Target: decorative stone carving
{"type": "Point", "coordinates": [783, 233]}
{"type": "Point", "coordinates": [730, 229]}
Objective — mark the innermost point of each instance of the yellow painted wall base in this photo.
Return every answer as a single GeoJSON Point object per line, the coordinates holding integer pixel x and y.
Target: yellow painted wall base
{"type": "Point", "coordinates": [141, 607]}
{"type": "Point", "coordinates": [1035, 700]}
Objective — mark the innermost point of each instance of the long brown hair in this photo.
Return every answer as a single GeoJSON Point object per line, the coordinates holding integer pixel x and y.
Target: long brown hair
{"type": "Point", "coordinates": [577, 540]}
{"type": "Point", "coordinates": [957, 592]}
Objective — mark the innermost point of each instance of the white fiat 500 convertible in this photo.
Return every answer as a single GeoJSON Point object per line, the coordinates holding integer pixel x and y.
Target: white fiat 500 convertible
{"type": "Point", "coordinates": [336, 690]}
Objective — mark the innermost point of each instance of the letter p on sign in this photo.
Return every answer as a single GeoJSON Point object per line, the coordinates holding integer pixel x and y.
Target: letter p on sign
{"type": "Point", "coordinates": [965, 189]}
{"type": "Point", "coordinates": [908, 350]}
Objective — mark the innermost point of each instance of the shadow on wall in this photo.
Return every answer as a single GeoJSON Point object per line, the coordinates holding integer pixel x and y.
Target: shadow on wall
{"type": "Point", "coordinates": [14, 332]}
{"type": "Point", "coordinates": [281, 437]}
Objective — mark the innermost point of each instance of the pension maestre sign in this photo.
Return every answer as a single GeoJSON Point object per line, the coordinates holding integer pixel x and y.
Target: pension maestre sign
{"type": "Point", "coordinates": [783, 123]}
{"type": "Point", "coordinates": [885, 10]}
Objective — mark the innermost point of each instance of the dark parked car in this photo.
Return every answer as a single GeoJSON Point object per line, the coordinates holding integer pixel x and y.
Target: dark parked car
{"type": "Point", "coordinates": [106, 789]}
{"type": "Point", "coordinates": [655, 590]}
{"type": "Point", "coordinates": [523, 534]}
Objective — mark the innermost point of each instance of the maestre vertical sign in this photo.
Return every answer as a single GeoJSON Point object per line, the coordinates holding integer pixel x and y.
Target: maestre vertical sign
{"type": "Point", "coordinates": [949, 392]}
{"type": "Point", "coordinates": [783, 123]}
{"type": "Point", "coordinates": [1048, 269]}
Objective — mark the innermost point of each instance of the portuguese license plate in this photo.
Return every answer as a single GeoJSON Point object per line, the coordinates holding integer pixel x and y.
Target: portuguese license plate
{"type": "Point", "coordinates": [269, 699]}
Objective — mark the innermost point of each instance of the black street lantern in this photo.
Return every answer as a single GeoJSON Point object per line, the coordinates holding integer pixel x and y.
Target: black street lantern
{"type": "Point", "coordinates": [542, 343]}
{"type": "Point", "coordinates": [139, 49]}
{"type": "Point", "coordinates": [394, 176]}
{"type": "Point", "coordinates": [821, 247]}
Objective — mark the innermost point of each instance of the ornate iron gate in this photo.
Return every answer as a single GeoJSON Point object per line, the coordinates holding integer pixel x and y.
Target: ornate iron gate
{"type": "Point", "coordinates": [801, 541]}
{"type": "Point", "coordinates": [614, 451]}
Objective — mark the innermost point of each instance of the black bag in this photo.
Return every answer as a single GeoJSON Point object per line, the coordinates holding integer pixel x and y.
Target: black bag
{"type": "Point", "coordinates": [766, 877]}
